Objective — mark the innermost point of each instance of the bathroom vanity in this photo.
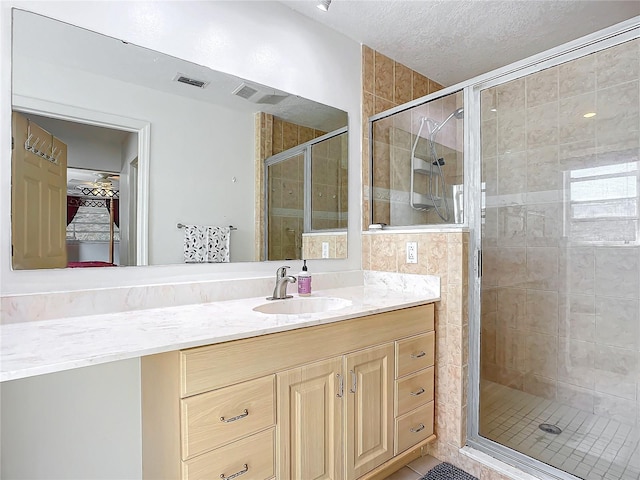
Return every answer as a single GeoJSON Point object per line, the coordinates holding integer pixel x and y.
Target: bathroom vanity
{"type": "Point", "coordinates": [338, 400]}
{"type": "Point", "coordinates": [227, 389]}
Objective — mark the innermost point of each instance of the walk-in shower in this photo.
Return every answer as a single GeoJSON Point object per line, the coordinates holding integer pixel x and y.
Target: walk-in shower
{"type": "Point", "coordinates": [552, 194]}
{"type": "Point", "coordinates": [432, 168]}
{"type": "Point", "coordinates": [559, 374]}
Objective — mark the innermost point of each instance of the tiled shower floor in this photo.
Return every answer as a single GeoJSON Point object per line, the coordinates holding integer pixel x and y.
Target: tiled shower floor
{"type": "Point", "coordinates": [589, 446]}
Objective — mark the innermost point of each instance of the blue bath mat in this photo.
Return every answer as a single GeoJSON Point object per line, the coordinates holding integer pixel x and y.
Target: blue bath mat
{"type": "Point", "coordinates": [446, 471]}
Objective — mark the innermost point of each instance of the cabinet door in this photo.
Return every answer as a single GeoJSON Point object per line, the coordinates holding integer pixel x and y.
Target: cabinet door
{"type": "Point", "coordinates": [369, 420]}
{"type": "Point", "coordinates": [309, 431]}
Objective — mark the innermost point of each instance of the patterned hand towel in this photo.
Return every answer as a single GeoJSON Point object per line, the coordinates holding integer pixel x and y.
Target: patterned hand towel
{"type": "Point", "coordinates": [204, 244]}
{"type": "Point", "coordinates": [218, 244]}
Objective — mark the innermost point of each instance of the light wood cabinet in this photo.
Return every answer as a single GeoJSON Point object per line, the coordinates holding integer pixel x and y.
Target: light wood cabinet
{"type": "Point", "coordinates": [369, 409]}
{"type": "Point", "coordinates": [327, 402]}
{"type": "Point", "coordinates": [310, 406]}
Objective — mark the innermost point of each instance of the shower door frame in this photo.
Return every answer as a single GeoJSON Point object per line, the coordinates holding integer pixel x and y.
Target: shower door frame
{"type": "Point", "coordinates": [598, 41]}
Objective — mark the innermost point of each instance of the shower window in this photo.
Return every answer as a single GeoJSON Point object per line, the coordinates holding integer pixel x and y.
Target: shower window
{"type": "Point", "coordinates": [417, 165]}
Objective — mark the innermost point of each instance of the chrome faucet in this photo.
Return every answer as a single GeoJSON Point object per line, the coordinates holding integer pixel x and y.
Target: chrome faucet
{"type": "Point", "coordinates": [282, 279]}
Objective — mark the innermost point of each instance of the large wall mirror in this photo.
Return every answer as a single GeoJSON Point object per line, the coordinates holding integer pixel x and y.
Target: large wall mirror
{"type": "Point", "coordinates": [125, 156]}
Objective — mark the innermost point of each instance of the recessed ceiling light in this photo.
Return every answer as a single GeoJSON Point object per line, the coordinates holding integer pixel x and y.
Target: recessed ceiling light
{"type": "Point", "coordinates": [324, 5]}
{"type": "Point", "coordinates": [589, 115]}
{"type": "Point", "coordinates": [494, 109]}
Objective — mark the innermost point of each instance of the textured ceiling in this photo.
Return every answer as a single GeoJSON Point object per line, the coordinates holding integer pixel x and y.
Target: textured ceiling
{"type": "Point", "coordinates": [454, 40]}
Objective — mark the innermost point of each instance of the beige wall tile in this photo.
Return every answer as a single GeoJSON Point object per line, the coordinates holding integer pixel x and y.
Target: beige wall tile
{"type": "Point", "coordinates": [542, 126]}
{"type": "Point", "coordinates": [576, 362]}
{"type": "Point", "coordinates": [573, 127]}
{"type": "Point", "coordinates": [541, 355]}
{"type": "Point", "coordinates": [618, 322]}
{"type": "Point", "coordinates": [542, 312]}
{"type": "Point", "coordinates": [577, 77]}
{"type": "Point", "coordinates": [618, 110]}
{"type": "Point", "coordinates": [540, 386]}
{"type": "Point", "coordinates": [542, 87]}
{"type": "Point", "coordinates": [420, 85]}
{"type": "Point", "coordinates": [512, 173]}
{"type": "Point", "coordinates": [383, 81]}
{"type": "Point", "coordinates": [511, 96]}
{"type": "Point", "coordinates": [616, 272]}
{"type": "Point", "coordinates": [618, 64]}
{"type": "Point", "coordinates": [577, 317]}
{"type": "Point", "coordinates": [402, 84]}
{"type": "Point", "coordinates": [368, 73]}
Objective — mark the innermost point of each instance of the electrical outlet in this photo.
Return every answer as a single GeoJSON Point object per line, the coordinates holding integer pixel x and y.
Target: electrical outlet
{"type": "Point", "coordinates": [412, 252]}
{"type": "Point", "coordinates": [325, 249]}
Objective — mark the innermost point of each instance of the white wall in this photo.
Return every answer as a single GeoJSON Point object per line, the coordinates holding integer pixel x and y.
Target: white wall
{"type": "Point", "coordinates": [80, 424]}
{"type": "Point", "coordinates": [196, 148]}
{"type": "Point", "coordinates": [265, 42]}
{"type": "Point", "coordinates": [128, 179]}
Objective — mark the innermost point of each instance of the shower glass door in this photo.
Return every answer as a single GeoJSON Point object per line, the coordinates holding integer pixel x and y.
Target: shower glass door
{"type": "Point", "coordinates": [560, 287]}
{"type": "Point", "coordinates": [285, 208]}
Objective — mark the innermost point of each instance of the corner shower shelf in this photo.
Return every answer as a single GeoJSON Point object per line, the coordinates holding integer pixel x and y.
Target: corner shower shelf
{"type": "Point", "coordinates": [424, 202]}
{"type": "Point", "coordinates": [421, 166]}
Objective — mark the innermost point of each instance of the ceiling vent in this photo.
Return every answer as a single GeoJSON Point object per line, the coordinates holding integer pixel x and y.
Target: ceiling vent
{"type": "Point", "coordinates": [190, 81]}
{"type": "Point", "coordinates": [259, 94]}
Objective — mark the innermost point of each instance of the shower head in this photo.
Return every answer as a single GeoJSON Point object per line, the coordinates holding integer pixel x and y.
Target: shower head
{"type": "Point", "coordinates": [458, 113]}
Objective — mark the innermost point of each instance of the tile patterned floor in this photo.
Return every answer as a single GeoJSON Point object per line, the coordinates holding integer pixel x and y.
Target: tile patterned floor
{"type": "Point", "coordinates": [416, 469]}
{"type": "Point", "coordinates": [589, 447]}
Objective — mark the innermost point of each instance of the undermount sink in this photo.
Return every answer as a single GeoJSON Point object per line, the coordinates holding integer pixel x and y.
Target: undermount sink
{"type": "Point", "coordinates": [299, 305]}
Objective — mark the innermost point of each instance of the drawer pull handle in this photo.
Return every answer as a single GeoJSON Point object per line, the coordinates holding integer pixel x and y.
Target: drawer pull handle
{"type": "Point", "coordinates": [233, 419]}
{"type": "Point", "coordinates": [418, 392]}
{"type": "Point", "coordinates": [418, 355]}
{"type": "Point", "coordinates": [245, 469]}
{"type": "Point", "coordinates": [418, 429]}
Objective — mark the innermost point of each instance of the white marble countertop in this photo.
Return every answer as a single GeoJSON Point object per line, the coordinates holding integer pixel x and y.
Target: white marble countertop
{"type": "Point", "coordinates": [40, 347]}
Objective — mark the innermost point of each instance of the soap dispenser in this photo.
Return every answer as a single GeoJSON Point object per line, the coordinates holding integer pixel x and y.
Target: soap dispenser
{"type": "Point", "coordinates": [304, 281]}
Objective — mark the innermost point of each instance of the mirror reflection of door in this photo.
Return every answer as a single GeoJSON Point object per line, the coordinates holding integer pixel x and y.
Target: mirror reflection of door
{"type": "Point", "coordinates": [38, 196]}
{"type": "Point", "coordinates": [98, 218]}
{"type": "Point", "coordinates": [285, 200]}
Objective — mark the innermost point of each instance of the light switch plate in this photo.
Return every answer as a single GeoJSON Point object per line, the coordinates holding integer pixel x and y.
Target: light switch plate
{"type": "Point", "coordinates": [412, 252]}
{"type": "Point", "coordinates": [325, 249]}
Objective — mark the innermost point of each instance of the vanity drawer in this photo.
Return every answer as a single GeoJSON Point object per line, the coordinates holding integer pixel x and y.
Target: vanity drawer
{"type": "Point", "coordinates": [414, 390]}
{"type": "Point", "coordinates": [255, 454]}
{"type": "Point", "coordinates": [246, 408]}
{"type": "Point", "coordinates": [415, 353]}
{"type": "Point", "coordinates": [413, 427]}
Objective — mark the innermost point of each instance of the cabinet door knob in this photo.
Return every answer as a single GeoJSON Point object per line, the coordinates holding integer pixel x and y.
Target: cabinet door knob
{"type": "Point", "coordinates": [237, 417]}
{"type": "Point", "coordinates": [245, 469]}
{"type": "Point", "coordinates": [418, 428]}
{"type": "Point", "coordinates": [418, 392]}
{"type": "Point", "coordinates": [418, 355]}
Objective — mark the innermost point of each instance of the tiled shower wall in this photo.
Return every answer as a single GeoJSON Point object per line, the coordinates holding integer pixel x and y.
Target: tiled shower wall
{"type": "Point", "coordinates": [386, 84]}
{"type": "Point", "coordinates": [561, 284]}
